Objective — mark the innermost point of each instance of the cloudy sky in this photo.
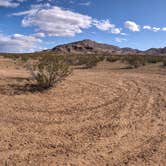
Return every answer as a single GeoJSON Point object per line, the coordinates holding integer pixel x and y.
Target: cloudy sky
{"type": "Point", "coordinates": [30, 25]}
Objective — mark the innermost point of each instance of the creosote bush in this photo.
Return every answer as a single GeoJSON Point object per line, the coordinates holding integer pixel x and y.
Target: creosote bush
{"type": "Point", "coordinates": [89, 61]}
{"type": "Point", "coordinates": [49, 70]}
{"type": "Point", "coordinates": [164, 63]}
{"type": "Point", "coordinates": [153, 59]}
{"type": "Point", "coordinates": [113, 58]}
{"type": "Point", "coordinates": [134, 61]}
{"type": "Point", "coordinates": [25, 58]}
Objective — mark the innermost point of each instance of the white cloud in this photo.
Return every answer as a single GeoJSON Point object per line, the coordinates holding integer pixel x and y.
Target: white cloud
{"type": "Point", "coordinates": [39, 35]}
{"type": "Point", "coordinates": [164, 29]}
{"type": "Point", "coordinates": [115, 30]}
{"type": "Point", "coordinates": [132, 26]}
{"type": "Point", "coordinates": [105, 25]}
{"type": "Point", "coordinates": [147, 27]}
{"type": "Point", "coordinates": [10, 3]}
{"type": "Point", "coordinates": [155, 29]}
{"type": "Point", "coordinates": [34, 9]}
{"type": "Point", "coordinates": [85, 3]}
{"type": "Point", "coordinates": [27, 12]}
{"type": "Point", "coordinates": [55, 21]}
{"type": "Point", "coordinates": [123, 34]}
{"type": "Point", "coordinates": [120, 39]}
{"type": "Point", "coordinates": [18, 43]}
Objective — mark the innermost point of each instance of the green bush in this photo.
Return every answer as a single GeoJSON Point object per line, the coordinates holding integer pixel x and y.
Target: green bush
{"type": "Point", "coordinates": [49, 70]}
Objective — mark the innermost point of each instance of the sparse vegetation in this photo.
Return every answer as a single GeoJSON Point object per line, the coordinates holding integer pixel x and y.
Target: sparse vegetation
{"type": "Point", "coordinates": [154, 59]}
{"type": "Point", "coordinates": [25, 57]}
{"type": "Point", "coordinates": [49, 70]}
{"type": "Point", "coordinates": [113, 58]}
{"type": "Point", "coordinates": [88, 61]}
{"type": "Point", "coordinates": [53, 117]}
{"type": "Point", "coordinates": [164, 63]}
{"type": "Point", "coordinates": [91, 60]}
{"type": "Point", "coordinates": [134, 61]}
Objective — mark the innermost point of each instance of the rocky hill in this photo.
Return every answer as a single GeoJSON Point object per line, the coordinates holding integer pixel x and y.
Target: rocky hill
{"type": "Point", "coordinates": [156, 51]}
{"type": "Point", "coordinates": [91, 47]}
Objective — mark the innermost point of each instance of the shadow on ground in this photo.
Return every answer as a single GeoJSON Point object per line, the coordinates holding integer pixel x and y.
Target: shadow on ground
{"type": "Point", "coordinates": [20, 86]}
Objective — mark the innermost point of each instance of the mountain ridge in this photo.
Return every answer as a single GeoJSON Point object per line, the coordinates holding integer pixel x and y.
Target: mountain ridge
{"type": "Point", "coordinates": [88, 46]}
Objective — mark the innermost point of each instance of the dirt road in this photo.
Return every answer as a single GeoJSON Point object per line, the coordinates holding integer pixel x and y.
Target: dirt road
{"type": "Point", "coordinates": [102, 116]}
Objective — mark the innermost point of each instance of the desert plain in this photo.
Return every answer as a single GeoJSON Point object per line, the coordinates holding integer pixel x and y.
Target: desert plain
{"type": "Point", "coordinates": [105, 116]}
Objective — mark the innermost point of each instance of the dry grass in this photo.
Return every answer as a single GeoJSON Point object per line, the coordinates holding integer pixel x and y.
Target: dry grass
{"type": "Point", "coordinates": [108, 115]}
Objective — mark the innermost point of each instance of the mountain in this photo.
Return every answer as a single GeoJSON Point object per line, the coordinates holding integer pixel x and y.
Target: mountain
{"type": "Point", "coordinates": [91, 47]}
{"type": "Point", "coordinates": [156, 51]}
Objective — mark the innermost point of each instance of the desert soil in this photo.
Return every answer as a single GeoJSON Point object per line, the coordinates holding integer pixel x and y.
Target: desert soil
{"type": "Point", "coordinates": [105, 116]}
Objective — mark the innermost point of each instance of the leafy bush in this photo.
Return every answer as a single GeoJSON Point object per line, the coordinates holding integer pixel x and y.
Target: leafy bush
{"type": "Point", "coordinates": [49, 70]}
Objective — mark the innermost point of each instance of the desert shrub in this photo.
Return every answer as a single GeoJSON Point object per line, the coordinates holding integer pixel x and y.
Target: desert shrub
{"type": "Point", "coordinates": [113, 58]}
{"type": "Point", "coordinates": [153, 59]}
{"type": "Point", "coordinates": [88, 61]}
{"type": "Point", "coordinates": [11, 56]}
{"type": "Point", "coordinates": [72, 59]}
{"type": "Point", "coordinates": [49, 70]}
{"type": "Point", "coordinates": [101, 58]}
{"type": "Point", "coordinates": [25, 58]}
{"type": "Point", "coordinates": [91, 62]}
{"type": "Point", "coordinates": [134, 61]}
{"type": "Point", "coordinates": [164, 62]}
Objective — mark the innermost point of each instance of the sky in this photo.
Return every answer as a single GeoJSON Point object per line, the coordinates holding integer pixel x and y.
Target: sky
{"type": "Point", "coordinates": [34, 25]}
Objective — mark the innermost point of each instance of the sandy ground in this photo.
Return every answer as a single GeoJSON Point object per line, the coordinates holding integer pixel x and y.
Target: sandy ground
{"type": "Point", "coordinates": [106, 116]}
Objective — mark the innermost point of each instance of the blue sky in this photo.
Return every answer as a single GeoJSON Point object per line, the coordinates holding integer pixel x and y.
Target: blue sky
{"type": "Point", "coordinates": [30, 25]}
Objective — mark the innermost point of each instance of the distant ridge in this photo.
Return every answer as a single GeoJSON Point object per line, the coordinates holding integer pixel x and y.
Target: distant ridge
{"type": "Point", "coordinates": [91, 47]}
{"type": "Point", "coordinates": [157, 51]}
